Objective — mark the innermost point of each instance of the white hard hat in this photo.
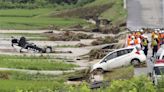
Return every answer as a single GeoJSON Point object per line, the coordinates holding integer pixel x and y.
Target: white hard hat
{"type": "Point", "coordinates": [133, 37]}
{"type": "Point", "coordinates": [141, 30]}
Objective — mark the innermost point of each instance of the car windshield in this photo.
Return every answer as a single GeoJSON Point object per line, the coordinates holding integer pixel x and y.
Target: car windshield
{"type": "Point", "coordinates": [162, 46]}
{"type": "Point", "coordinates": [159, 70]}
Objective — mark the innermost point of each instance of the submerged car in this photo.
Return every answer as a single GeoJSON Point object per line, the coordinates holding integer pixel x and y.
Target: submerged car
{"type": "Point", "coordinates": [120, 57]}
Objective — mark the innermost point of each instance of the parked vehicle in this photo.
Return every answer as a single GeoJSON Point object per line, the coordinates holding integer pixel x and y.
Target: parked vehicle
{"type": "Point", "coordinates": [157, 72]}
{"type": "Point", "coordinates": [120, 57]}
{"type": "Point", "coordinates": [159, 52]}
{"type": "Point", "coordinates": [158, 67]}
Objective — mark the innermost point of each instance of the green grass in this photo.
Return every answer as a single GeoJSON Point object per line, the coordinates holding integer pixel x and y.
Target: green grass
{"type": "Point", "coordinates": [11, 81]}
{"type": "Point", "coordinates": [120, 73]}
{"type": "Point", "coordinates": [33, 19]}
{"type": "Point", "coordinates": [36, 22]}
{"type": "Point", "coordinates": [33, 63]}
{"type": "Point", "coordinates": [44, 18]}
{"type": "Point", "coordinates": [25, 12]}
{"type": "Point", "coordinates": [35, 86]}
{"type": "Point", "coordinates": [117, 13]}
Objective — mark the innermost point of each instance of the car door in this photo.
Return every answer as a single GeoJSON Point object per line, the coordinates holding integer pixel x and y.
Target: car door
{"type": "Point", "coordinates": [109, 59]}
{"type": "Point", "coordinates": [119, 60]}
{"type": "Point", "coordinates": [122, 59]}
{"type": "Point", "coordinates": [127, 56]}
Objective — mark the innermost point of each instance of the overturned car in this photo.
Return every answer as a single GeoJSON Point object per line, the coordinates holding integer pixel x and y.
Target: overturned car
{"type": "Point", "coordinates": [22, 45]}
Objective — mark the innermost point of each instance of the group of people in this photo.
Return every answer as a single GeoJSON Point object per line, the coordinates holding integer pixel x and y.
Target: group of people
{"type": "Point", "coordinates": [140, 40]}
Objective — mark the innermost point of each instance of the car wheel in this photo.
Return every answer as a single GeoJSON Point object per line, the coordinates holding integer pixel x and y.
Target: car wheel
{"type": "Point", "coordinates": [48, 50]}
{"type": "Point", "coordinates": [135, 62]}
{"type": "Point", "coordinates": [99, 71]}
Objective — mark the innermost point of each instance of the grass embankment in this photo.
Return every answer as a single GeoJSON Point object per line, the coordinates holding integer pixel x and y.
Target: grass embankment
{"type": "Point", "coordinates": [106, 9]}
{"type": "Point", "coordinates": [120, 73]}
{"type": "Point", "coordinates": [33, 63]}
{"type": "Point", "coordinates": [61, 16]}
{"type": "Point", "coordinates": [33, 19]}
{"type": "Point", "coordinates": [12, 81]}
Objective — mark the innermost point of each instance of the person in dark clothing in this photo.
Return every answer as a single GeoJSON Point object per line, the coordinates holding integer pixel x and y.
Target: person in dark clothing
{"type": "Point", "coordinates": [154, 46]}
{"type": "Point", "coordinates": [145, 45]}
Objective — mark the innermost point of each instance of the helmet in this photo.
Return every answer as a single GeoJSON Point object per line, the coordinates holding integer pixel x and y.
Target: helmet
{"type": "Point", "coordinates": [141, 30]}
{"type": "Point", "coordinates": [156, 36]}
{"type": "Point", "coordinates": [133, 37]}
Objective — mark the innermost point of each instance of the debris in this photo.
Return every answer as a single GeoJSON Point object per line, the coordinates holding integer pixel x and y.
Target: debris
{"type": "Point", "coordinates": [69, 36]}
{"type": "Point", "coordinates": [105, 40]}
{"type": "Point", "coordinates": [96, 54]}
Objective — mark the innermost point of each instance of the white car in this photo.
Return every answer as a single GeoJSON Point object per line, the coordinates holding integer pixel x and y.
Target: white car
{"type": "Point", "coordinates": [160, 52]}
{"type": "Point", "coordinates": [158, 68]}
{"type": "Point", "coordinates": [120, 57]}
{"type": "Point", "coordinates": [157, 72]}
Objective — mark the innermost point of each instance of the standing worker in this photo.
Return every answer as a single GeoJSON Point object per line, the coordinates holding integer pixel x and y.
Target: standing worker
{"type": "Point", "coordinates": [132, 43]}
{"type": "Point", "coordinates": [137, 42]}
{"type": "Point", "coordinates": [154, 45]}
{"type": "Point", "coordinates": [129, 40]}
{"type": "Point", "coordinates": [145, 45]}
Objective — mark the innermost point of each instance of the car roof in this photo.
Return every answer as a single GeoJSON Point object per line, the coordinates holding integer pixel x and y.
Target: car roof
{"type": "Point", "coordinates": [160, 51]}
{"type": "Point", "coordinates": [130, 47]}
{"type": "Point", "coordinates": [160, 64]}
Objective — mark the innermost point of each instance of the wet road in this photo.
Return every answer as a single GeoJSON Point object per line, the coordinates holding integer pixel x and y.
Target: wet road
{"type": "Point", "coordinates": [145, 70]}
{"type": "Point", "coordinates": [145, 14]}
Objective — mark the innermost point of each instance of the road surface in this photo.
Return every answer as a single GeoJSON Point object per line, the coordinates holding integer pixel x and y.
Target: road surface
{"type": "Point", "coordinates": [148, 69]}
{"type": "Point", "coordinates": [145, 14]}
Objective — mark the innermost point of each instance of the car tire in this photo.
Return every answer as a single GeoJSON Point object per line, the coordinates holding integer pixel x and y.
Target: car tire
{"type": "Point", "coordinates": [135, 62]}
{"type": "Point", "coordinates": [99, 71]}
{"type": "Point", "coordinates": [48, 49]}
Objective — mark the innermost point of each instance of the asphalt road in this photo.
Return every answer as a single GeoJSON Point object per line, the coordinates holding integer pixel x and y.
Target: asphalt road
{"type": "Point", "coordinates": [145, 70]}
{"type": "Point", "coordinates": [145, 14]}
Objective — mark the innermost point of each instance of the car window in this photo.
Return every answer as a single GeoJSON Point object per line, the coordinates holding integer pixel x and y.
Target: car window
{"type": "Point", "coordinates": [111, 56]}
{"type": "Point", "coordinates": [157, 57]}
{"type": "Point", "coordinates": [156, 70]}
{"type": "Point", "coordinates": [120, 53]}
{"type": "Point", "coordinates": [163, 57]}
{"type": "Point", "coordinates": [159, 70]}
{"type": "Point", "coordinates": [130, 50]}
